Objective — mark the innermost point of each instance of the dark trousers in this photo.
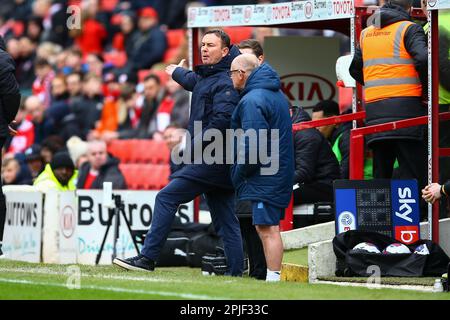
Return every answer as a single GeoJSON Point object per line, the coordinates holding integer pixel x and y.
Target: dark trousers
{"type": "Point", "coordinates": [412, 162]}
{"type": "Point", "coordinates": [444, 162]}
{"type": "Point", "coordinates": [254, 248]}
{"type": "Point", "coordinates": [2, 200]}
{"type": "Point", "coordinates": [221, 205]}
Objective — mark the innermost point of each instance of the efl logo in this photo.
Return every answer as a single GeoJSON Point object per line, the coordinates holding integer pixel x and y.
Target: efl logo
{"type": "Point", "coordinates": [407, 234]}
{"type": "Point", "coordinates": [346, 222]}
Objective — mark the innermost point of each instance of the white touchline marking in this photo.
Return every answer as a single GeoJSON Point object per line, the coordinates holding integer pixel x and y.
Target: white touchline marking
{"type": "Point", "coordinates": [115, 289]}
{"type": "Point", "coordinates": [104, 276]}
{"type": "Point", "coordinates": [384, 286]}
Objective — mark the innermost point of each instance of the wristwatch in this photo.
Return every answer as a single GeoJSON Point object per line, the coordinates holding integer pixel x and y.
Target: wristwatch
{"type": "Point", "coordinates": [443, 191]}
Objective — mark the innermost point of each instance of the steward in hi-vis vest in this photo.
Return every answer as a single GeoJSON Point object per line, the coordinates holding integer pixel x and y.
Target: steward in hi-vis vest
{"type": "Point", "coordinates": [391, 63]}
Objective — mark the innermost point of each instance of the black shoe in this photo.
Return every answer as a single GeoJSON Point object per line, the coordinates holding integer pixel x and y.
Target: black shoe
{"type": "Point", "coordinates": [139, 263]}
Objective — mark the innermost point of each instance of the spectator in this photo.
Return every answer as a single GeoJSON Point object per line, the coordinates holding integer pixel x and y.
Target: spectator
{"type": "Point", "coordinates": [181, 103]}
{"type": "Point", "coordinates": [42, 84]}
{"type": "Point", "coordinates": [393, 91]}
{"type": "Point", "coordinates": [316, 166]}
{"type": "Point", "coordinates": [43, 125]}
{"type": "Point", "coordinates": [34, 28]}
{"type": "Point", "coordinates": [33, 160]}
{"type": "Point", "coordinates": [173, 137]}
{"type": "Point", "coordinates": [59, 174]}
{"type": "Point", "coordinates": [73, 62]}
{"type": "Point", "coordinates": [21, 10]}
{"type": "Point", "coordinates": [124, 40]}
{"type": "Point", "coordinates": [12, 173]}
{"type": "Point", "coordinates": [25, 65]}
{"type": "Point", "coordinates": [74, 85]}
{"type": "Point", "coordinates": [49, 51]}
{"type": "Point", "coordinates": [25, 132]}
{"type": "Point", "coordinates": [55, 19]}
{"type": "Point", "coordinates": [87, 110]}
{"type": "Point", "coordinates": [116, 115]}
{"type": "Point", "coordinates": [94, 64]}
{"type": "Point", "coordinates": [150, 43]}
{"type": "Point", "coordinates": [148, 125]}
{"type": "Point", "coordinates": [100, 168]}
{"type": "Point", "coordinates": [337, 135]}
{"type": "Point", "coordinates": [263, 107]}
{"type": "Point", "coordinates": [92, 35]}
{"type": "Point", "coordinates": [50, 146]}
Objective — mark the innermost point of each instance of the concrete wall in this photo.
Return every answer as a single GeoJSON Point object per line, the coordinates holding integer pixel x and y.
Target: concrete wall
{"type": "Point", "coordinates": [444, 234]}
{"type": "Point", "coordinates": [302, 237]}
{"type": "Point", "coordinates": [321, 260]}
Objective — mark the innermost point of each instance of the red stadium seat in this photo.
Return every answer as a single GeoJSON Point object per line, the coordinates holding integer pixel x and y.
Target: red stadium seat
{"type": "Point", "coordinates": [237, 34]}
{"type": "Point", "coordinates": [117, 58]}
{"type": "Point", "coordinates": [108, 5]}
{"type": "Point", "coordinates": [175, 39]}
{"type": "Point", "coordinates": [124, 150]}
{"type": "Point", "coordinates": [131, 172]}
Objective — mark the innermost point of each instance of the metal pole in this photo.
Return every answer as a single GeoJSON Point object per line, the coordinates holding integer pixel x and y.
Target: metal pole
{"type": "Point", "coordinates": [435, 115]}
{"type": "Point", "coordinates": [430, 131]}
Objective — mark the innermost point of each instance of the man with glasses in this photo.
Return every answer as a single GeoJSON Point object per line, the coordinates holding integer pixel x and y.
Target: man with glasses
{"type": "Point", "coordinates": [263, 111]}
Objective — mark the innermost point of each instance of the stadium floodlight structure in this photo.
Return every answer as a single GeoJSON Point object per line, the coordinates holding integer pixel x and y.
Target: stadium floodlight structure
{"type": "Point", "coordinates": [344, 17]}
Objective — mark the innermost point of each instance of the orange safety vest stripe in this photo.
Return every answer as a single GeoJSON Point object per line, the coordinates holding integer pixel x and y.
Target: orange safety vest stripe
{"type": "Point", "coordinates": [388, 68]}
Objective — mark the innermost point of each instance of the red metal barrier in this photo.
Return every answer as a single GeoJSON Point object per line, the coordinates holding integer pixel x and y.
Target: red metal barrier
{"type": "Point", "coordinates": [357, 140]}
{"type": "Point", "coordinates": [288, 222]}
{"type": "Point", "coordinates": [331, 120]}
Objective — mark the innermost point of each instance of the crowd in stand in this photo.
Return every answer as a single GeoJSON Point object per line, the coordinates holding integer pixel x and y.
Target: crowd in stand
{"type": "Point", "coordinates": [101, 80]}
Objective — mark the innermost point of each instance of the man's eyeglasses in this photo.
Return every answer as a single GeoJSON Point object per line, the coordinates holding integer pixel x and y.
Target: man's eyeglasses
{"type": "Point", "coordinates": [230, 73]}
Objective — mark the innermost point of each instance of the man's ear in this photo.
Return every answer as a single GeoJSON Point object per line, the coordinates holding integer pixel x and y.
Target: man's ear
{"type": "Point", "coordinates": [225, 51]}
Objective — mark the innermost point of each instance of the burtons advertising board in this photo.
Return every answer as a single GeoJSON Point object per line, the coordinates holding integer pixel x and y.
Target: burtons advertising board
{"type": "Point", "coordinates": [22, 234]}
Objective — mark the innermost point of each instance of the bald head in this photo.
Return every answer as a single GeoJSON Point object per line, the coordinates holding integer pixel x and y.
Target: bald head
{"type": "Point", "coordinates": [34, 108]}
{"type": "Point", "coordinates": [246, 62]}
{"type": "Point", "coordinates": [97, 154]}
{"type": "Point", "coordinates": [241, 68]}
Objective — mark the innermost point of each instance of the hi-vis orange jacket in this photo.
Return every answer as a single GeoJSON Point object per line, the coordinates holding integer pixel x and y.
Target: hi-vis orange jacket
{"type": "Point", "coordinates": [388, 68]}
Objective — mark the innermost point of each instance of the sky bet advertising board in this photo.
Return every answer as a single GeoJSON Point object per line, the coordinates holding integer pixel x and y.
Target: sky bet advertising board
{"type": "Point", "coordinates": [389, 207]}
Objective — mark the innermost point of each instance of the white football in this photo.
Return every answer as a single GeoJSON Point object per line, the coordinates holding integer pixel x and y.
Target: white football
{"type": "Point", "coordinates": [367, 246]}
{"type": "Point", "coordinates": [396, 248]}
{"type": "Point", "coordinates": [422, 249]}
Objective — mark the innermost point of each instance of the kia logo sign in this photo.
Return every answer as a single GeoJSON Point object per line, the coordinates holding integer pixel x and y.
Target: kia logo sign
{"type": "Point", "coordinates": [67, 221]}
{"type": "Point", "coordinates": [304, 89]}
